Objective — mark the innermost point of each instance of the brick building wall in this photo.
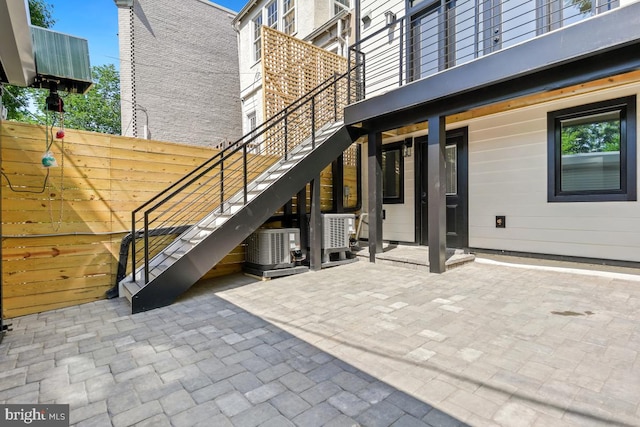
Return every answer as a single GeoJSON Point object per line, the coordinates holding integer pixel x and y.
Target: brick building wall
{"type": "Point", "coordinates": [179, 72]}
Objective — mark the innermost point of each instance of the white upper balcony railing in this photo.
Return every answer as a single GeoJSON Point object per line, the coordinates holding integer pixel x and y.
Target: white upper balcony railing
{"type": "Point", "coordinates": [403, 44]}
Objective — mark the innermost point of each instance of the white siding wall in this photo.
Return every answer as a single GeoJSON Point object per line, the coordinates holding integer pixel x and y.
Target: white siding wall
{"type": "Point", "coordinates": [508, 176]}
{"type": "Point", "coordinates": [381, 77]}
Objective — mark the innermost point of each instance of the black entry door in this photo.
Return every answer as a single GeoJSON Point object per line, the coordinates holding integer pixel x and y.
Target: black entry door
{"type": "Point", "coordinates": [456, 168]}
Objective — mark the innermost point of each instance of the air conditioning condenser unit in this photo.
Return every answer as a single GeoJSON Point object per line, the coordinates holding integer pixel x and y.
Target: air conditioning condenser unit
{"type": "Point", "coordinates": [336, 231]}
{"type": "Point", "coordinates": [273, 248]}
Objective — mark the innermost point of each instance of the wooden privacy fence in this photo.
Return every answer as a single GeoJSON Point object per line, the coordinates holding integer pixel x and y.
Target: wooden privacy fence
{"type": "Point", "coordinates": [62, 226]}
{"type": "Point", "coordinates": [62, 232]}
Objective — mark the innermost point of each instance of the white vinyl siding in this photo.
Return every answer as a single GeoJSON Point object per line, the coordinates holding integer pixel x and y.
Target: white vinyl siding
{"type": "Point", "coordinates": [508, 176]}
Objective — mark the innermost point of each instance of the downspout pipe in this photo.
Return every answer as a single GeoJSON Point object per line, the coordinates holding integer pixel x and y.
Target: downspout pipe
{"type": "Point", "coordinates": [124, 252]}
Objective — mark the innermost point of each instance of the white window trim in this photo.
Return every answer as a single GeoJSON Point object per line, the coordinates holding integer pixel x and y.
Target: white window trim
{"type": "Point", "coordinates": [338, 4]}
{"type": "Point", "coordinates": [252, 121]}
{"type": "Point", "coordinates": [273, 24]}
{"type": "Point", "coordinates": [257, 39]}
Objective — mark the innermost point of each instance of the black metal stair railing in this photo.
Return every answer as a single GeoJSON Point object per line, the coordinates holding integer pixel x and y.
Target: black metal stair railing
{"type": "Point", "coordinates": [220, 186]}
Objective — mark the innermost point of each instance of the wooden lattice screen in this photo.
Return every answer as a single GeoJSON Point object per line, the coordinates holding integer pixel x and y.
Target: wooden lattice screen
{"type": "Point", "coordinates": [290, 69]}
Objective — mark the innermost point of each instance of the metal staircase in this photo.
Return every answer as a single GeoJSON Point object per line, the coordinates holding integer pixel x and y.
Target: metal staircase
{"type": "Point", "coordinates": [232, 194]}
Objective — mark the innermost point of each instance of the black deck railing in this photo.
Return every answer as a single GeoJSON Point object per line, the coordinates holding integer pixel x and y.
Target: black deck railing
{"type": "Point", "coordinates": [214, 188]}
{"type": "Point", "coordinates": [431, 39]}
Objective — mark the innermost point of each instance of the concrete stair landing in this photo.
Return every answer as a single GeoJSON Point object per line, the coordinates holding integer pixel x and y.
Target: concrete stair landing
{"type": "Point", "coordinates": [414, 257]}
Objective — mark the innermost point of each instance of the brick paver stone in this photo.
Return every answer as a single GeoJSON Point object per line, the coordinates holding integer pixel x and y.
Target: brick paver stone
{"type": "Point", "coordinates": [362, 343]}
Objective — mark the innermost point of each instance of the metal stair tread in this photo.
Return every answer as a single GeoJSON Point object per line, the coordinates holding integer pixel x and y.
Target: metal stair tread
{"type": "Point", "coordinates": [193, 239]}
{"type": "Point", "coordinates": [211, 224]}
{"type": "Point", "coordinates": [208, 227]}
{"type": "Point", "coordinates": [130, 288]}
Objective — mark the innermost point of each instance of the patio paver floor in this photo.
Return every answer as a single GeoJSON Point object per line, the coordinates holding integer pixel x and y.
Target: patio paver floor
{"type": "Point", "coordinates": [360, 344]}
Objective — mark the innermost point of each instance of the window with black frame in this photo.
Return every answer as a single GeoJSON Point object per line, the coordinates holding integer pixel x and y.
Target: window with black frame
{"type": "Point", "coordinates": [592, 152]}
{"type": "Point", "coordinates": [392, 174]}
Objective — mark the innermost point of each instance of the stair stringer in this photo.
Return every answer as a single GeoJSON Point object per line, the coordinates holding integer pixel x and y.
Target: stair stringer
{"type": "Point", "coordinates": [165, 288]}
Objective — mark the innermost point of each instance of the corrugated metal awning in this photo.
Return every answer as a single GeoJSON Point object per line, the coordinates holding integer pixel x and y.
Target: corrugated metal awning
{"type": "Point", "coordinates": [62, 58]}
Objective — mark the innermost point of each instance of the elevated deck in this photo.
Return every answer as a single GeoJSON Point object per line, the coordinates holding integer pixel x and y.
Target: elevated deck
{"type": "Point", "coordinates": [598, 47]}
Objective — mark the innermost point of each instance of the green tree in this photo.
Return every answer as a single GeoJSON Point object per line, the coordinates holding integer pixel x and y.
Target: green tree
{"type": "Point", "coordinates": [584, 6]}
{"type": "Point", "coordinates": [17, 99]}
{"type": "Point", "coordinates": [99, 109]}
{"type": "Point", "coordinates": [591, 137]}
{"type": "Point", "coordinates": [41, 13]}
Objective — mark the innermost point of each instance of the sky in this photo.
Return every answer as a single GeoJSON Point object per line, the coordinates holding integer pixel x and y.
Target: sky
{"type": "Point", "coordinates": [97, 21]}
